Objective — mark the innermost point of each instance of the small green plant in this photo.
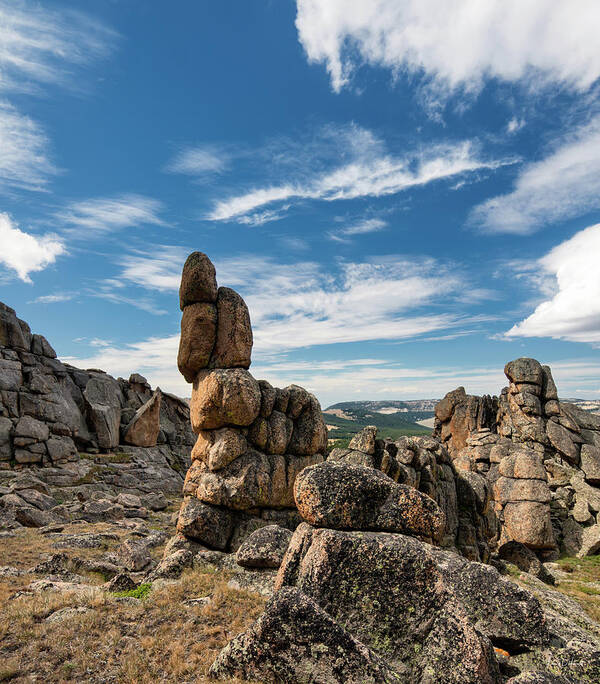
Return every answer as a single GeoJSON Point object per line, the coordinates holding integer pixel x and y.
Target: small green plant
{"type": "Point", "coordinates": [140, 592]}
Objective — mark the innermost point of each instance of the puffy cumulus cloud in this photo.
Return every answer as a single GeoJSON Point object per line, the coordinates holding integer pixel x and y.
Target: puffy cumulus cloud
{"type": "Point", "coordinates": [572, 312]}
{"type": "Point", "coordinates": [456, 45]}
{"type": "Point", "coordinates": [564, 184]}
{"type": "Point", "coordinates": [98, 216]}
{"type": "Point", "coordinates": [25, 253]}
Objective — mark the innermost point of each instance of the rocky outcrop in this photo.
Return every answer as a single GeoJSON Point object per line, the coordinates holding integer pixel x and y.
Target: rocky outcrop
{"type": "Point", "coordinates": [360, 605]}
{"type": "Point", "coordinates": [80, 431]}
{"type": "Point", "coordinates": [539, 455]}
{"type": "Point", "coordinates": [252, 439]}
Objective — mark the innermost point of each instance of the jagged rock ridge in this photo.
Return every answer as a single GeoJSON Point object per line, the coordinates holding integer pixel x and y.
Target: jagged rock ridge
{"type": "Point", "coordinates": [57, 422]}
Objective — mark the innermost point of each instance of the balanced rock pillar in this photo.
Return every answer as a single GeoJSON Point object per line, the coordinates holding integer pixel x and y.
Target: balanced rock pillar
{"type": "Point", "coordinates": [253, 439]}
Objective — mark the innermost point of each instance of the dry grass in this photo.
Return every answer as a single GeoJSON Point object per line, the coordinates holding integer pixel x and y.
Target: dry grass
{"type": "Point", "coordinates": [581, 584]}
{"type": "Point", "coordinates": [156, 639]}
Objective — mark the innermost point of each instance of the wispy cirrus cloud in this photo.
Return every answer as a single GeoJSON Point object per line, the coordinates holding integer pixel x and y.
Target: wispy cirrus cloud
{"type": "Point", "coordinates": [56, 298]}
{"type": "Point", "coordinates": [42, 46]}
{"type": "Point", "coordinates": [26, 253]}
{"type": "Point", "coordinates": [199, 160]}
{"type": "Point", "coordinates": [571, 309]}
{"type": "Point", "coordinates": [371, 172]}
{"type": "Point", "coordinates": [455, 46]}
{"type": "Point", "coordinates": [25, 159]}
{"type": "Point", "coordinates": [371, 225]}
{"type": "Point", "coordinates": [295, 305]}
{"type": "Point", "coordinates": [565, 184]}
{"type": "Point", "coordinates": [39, 47]}
{"type": "Point", "coordinates": [99, 216]}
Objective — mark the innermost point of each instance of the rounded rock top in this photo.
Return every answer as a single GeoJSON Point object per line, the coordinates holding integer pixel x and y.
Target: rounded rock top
{"type": "Point", "coordinates": [198, 281]}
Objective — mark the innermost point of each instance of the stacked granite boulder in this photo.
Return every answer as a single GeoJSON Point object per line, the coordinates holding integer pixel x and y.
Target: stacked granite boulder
{"type": "Point", "coordinates": [541, 457]}
{"type": "Point", "coordinates": [252, 439]}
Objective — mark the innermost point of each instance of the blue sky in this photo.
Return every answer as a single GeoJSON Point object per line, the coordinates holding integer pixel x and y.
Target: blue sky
{"type": "Point", "coordinates": [406, 192]}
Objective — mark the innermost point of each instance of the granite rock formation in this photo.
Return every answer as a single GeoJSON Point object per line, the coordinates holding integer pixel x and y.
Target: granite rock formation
{"type": "Point", "coordinates": [355, 605]}
{"type": "Point", "coordinates": [80, 435]}
{"type": "Point", "coordinates": [539, 455]}
{"type": "Point", "coordinates": [252, 439]}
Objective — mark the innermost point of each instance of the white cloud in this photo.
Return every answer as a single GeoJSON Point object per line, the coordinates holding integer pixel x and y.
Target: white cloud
{"type": "Point", "coordinates": [456, 45]}
{"type": "Point", "coordinates": [515, 125]}
{"type": "Point", "coordinates": [24, 161]}
{"type": "Point", "coordinates": [198, 161]}
{"type": "Point", "coordinates": [54, 298]}
{"type": "Point", "coordinates": [563, 185]}
{"type": "Point", "coordinates": [99, 216]}
{"type": "Point", "coordinates": [299, 305]}
{"type": "Point", "coordinates": [573, 311]}
{"type": "Point", "coordinates": [372, 225]}
{"type": "Point", "coordinates": [38, 43]}
{"type": "Point", "coordinates": [370, 173]}
{"type": "Point", "coordinates": [25, 253]}
{"type": "Point", "coordinates": [38, 46]}
{"type": "Point", "coordinates": [159, 269]}
{"type": "Point", "coordinates": [338, 379]}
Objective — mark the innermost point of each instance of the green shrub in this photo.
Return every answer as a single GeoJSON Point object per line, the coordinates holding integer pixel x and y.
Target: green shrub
{"type": "Point", "coordinates": [140, 592]}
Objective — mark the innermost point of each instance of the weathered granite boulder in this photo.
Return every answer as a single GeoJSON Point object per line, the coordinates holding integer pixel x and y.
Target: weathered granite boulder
{"type": "Point", "coordinates": [264, 548]}
{"type": "Point", "coordinates": [224, 396]}
{"type": "Point", "coordinates": [144, 427]}
{"type": "Point", "coordinates": [388, 592]}
{"type": "Point", "coordinates": [198, 334]}
{"type": "Point", "coordinates": [354, 497]}
{"type": "Point", "coordinates": [104, 402]}
{"type": "Point", "coordinates": [296, 640]}
{"type": "Point", "coordinates": [233, 345]}
{"type": "Point", "coordinates": [198, 281]}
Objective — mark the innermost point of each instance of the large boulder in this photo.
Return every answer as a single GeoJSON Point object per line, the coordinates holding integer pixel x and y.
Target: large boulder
{"type": "Point", "coordinates": [198, 334]}
{"type": "Point", "coordinates": [253, 480]}
{"type": "Point", "coordinates": [233, 346]}
{"type": "Point", "coordinates": [144, 427]}
{"type": "Point", "coordinates": [296, 640]}
{"type": "Point", "coordinates": [264, 548]}
{"type": "Point", "coordinates": [104, 401]}
{"type": "Point", "coordinates": [224, 397]}
{"type": "Point", "coordinates": [198, 281]}
{"type": "Point", "coordinates": [203, 523]}
{"type": "Point", "coordinates": [354, 497]}
{"type": "Point", "coordinates": [388, 592]}
{"type": "Point", "coordinates": [218, 448]}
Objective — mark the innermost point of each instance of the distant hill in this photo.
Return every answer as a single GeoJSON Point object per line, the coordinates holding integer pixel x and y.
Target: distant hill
{"type": "Point", "coordinates": [393, 418]}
